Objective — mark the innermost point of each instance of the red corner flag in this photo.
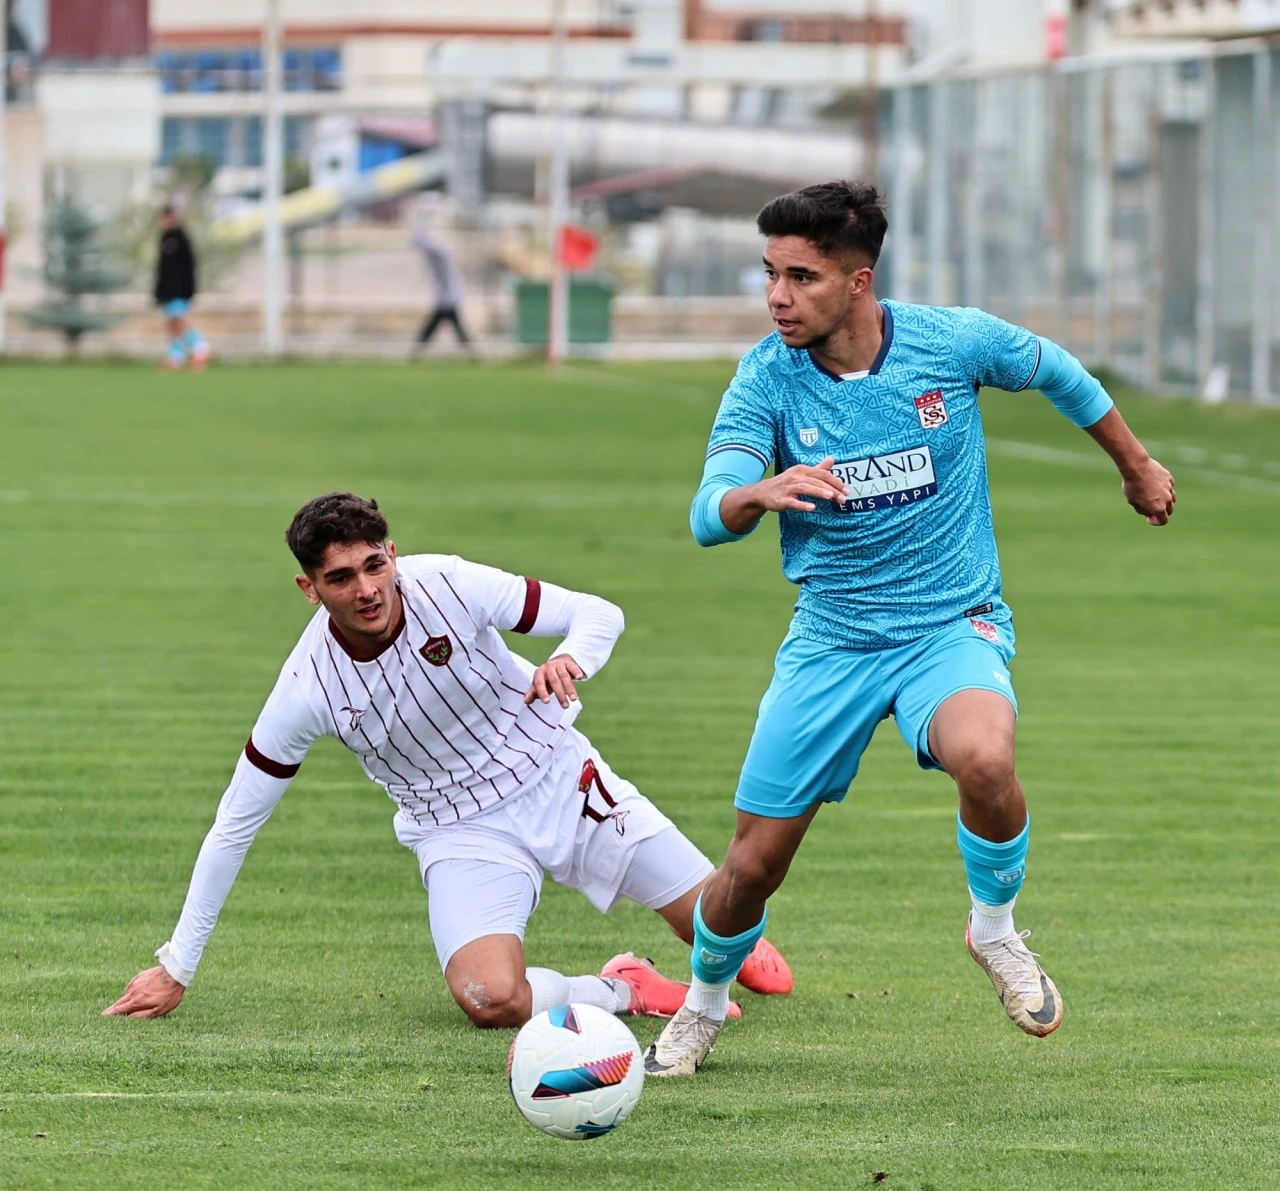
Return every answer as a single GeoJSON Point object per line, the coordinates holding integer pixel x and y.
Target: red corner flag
{"type": "Point", "coordinates": [578, 248]}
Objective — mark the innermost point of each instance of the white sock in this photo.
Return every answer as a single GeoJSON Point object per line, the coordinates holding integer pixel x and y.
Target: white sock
{"type": "Point", "coordinates": [550, 988]}
{"type": "Point", "coordinates": [610, 994]}
{"type": "Point", "coordinates": [711, 1000]}
{"type": "Point", "coordinates": [990, 924]}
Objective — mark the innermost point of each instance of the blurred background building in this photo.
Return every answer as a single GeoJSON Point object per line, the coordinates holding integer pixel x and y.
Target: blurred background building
{"type": "Point", "coordinates": [1102, 171]}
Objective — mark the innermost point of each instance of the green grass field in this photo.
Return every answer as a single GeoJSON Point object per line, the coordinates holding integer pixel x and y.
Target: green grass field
{"type": "Point", "coordinates": [148, 604]}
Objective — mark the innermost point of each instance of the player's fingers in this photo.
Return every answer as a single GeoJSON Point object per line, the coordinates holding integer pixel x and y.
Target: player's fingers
{"type": "Point", "coordinates": [827, 464]}
{"type": "Point", "coordinates": [796, 503]}
{"type": "Point", "coordinates": [540, 681]}
{"type": "Point", "coordinates": [556, 681]}
{"type": "Point", "coordinates": [152, 1011]}
{"type": "Point", "coordinates": [529, 695]}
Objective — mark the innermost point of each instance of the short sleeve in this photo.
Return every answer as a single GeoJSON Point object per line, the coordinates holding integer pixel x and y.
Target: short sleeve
{"type": "Point", "coordinates": [996, 353]}
{"type": "Point", "coordinates": [746, 419]}
{"type": "Point", "coordinates": [289, 723]}
{"type": "Point", "coordinates": [496, 598]}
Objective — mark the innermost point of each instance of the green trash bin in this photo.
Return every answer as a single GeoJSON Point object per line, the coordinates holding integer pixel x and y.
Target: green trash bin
{"type": "Point", "coordinates": [590, 311]}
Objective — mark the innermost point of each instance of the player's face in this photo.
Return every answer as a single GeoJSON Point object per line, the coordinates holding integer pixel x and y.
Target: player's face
{"type": "Point", "coordinates": [357, 585]}
{"type": "Point", "coordinates": [809, 294]}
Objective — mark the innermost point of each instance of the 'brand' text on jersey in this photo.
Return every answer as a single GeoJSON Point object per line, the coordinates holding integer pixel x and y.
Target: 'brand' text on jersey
{"type": "Point", "coordinates": [887, 481]}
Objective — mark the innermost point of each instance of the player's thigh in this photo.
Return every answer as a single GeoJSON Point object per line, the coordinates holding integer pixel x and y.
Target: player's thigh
{"type": "Point", "coordinates": [624, 846]}
{"type": "Point", "coordinates": [666, 872]}
{"type": "Point", "coordinates": [953, 660]}
{"type": "Point", "coordinates": [471, 900]}
{"type": "Point", "coordinates": [815, 722]}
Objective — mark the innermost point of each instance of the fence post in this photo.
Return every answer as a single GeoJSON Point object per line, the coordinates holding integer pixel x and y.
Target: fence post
{"type": "Point", "coordinates": [901, 196]}
{"type": "Point", "coordinates": [1263, 214]}
{"type": "Point", "coordinates": [1206, 232]}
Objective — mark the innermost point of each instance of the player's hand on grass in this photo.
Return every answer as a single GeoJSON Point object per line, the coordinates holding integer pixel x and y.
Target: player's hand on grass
{"type": "Point", "coordinates": [1149, 489]}
{"type": "Point", "coordinates": [152, 993]}
{"type": "Point", "coordinates": [555, 677]}
{"type": "Point", "coordinates": [798, 487]}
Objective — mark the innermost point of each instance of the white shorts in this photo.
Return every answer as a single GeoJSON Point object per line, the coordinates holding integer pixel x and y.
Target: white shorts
{"type": "Point", "coordinates": [592, 839]}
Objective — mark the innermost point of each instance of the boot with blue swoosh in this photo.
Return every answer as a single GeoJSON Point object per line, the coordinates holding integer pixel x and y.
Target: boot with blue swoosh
{"type": "Point", "coordinates": [1029, 997]}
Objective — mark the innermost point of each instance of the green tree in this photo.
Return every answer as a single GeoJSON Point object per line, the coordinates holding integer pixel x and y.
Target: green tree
{"type": "Point", "coordinates": [77, 266]}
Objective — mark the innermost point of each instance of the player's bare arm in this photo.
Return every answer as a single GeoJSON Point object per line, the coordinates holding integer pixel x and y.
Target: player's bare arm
{"type": "Point", "coordinates": [151, 993]}
{"type": "Point", "coordinates": [796, 488]}
{"type": "Point", "coordinates": [1146, 484]}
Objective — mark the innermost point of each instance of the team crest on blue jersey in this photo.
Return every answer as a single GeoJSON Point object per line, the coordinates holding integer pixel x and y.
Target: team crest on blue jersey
{"type": "Point", "coordinates": [932, 410]}
{"type": "Point", "coordinates": [437, 650]}
{"type": "Point", "coordinates": [809, 436]}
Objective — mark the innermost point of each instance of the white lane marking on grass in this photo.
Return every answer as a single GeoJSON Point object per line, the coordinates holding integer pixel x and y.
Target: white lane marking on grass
{"type": "Point", "coordinates": [632, 384]}
{"type": "Point", "coordinates": [1099, 462]}
{"type": "Point", "coordinates": [511, 499]}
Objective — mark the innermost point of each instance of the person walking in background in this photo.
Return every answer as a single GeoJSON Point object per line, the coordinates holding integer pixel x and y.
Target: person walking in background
{"type": "Point", "coordinates": [174, 290]}
{"type": "Point", "coordinates": [447, 283]}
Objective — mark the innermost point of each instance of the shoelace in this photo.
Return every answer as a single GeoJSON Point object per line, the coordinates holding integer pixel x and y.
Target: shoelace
{"type": "Point", "coordinates": [692, 1028]}
{"type": "Point", "coordinates": [1017, 964]}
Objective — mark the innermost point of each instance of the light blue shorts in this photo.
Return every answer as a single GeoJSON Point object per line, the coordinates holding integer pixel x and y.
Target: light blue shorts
{"type": "Point", "coordinates": [178, 308]}
{"type": "Point", "coordinates": [817, 717]}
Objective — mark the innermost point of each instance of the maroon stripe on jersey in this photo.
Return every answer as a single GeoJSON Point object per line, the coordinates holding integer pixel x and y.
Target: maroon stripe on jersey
{"type": "Point", "coordinates": [461, 684]}
{"type": "Point", "coordinates": [337, 731]}
{"type": "Point", "coordinates": [532, 602]}
{"type": "Point", "coordinates": [373, 705]}
{"type": "Point", "coordinates": [540, 720]}
{"type": "Point", "coordinates": [447, 621]}
{"type": "Point", "coordinates": [266, 764]}
{"type": "Point", "coordinates": [465, 726]}
{"type": "Point", "coordinates": [435, 727]}
{"type": "Point", "coordinates": [347, 695]}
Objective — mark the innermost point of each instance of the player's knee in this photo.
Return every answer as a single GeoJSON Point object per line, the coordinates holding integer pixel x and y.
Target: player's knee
{"type": "Point", "coordinates": [984, 769]}
{"type": "Point", "coordinates": [754, 873]}
{"type": "Point", "coordinates": [493, 1004]}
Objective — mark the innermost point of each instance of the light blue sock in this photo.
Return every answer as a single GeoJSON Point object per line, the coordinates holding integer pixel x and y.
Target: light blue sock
{"type": "Point", "coordinates": [177, 352]}
{"type": "Point", "coordinates": [715, 959]}
{"type": "Point", "coordinates": [195, 342]}
{"type": "Point", "coordinates": [995, 871]}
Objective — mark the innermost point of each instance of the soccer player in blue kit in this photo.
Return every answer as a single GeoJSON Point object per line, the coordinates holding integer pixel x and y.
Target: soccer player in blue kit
{"type": "Point", "coordinates": [868, 411]}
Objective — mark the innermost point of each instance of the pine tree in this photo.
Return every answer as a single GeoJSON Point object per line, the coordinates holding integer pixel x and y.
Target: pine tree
{"type": "Point", "coordinates": [76, 265]}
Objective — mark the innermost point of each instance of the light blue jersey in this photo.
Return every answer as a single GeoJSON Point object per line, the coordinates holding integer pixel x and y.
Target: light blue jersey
{"type": "Point", "coordinates": [913, 548]}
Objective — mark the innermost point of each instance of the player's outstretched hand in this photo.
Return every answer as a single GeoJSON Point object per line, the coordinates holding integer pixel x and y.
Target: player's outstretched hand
{"type": "Point", "coordinates": [791, 489]}
{"type": "Point", "coordinates": [152, 993]}
{"type": "Point", "coordinates": [1150, 491]}
{"type": "Point", "coordinates": [555, 677]}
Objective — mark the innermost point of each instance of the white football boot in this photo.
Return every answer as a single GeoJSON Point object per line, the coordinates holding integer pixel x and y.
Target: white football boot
{"type": "Point", "coordinates": [1029, 997]}
{"type": "Point", "coordinates": [683, 1044]}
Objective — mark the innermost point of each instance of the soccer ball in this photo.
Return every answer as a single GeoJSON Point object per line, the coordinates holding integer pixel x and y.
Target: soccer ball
{"type": "Point", "coordinates": [575, 1072]}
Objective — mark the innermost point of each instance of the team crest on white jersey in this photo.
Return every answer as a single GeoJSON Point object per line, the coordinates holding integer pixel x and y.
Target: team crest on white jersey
{"type": "Point", "coordinates": [931, 409]}
{"type": "Point", "coordinates": [356, 714]}
{"type": "Point", "coordinates": [809, 436]}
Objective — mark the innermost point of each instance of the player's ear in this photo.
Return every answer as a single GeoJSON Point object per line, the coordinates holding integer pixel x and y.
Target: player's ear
{"type": "Point", "coordinates": [307, 588]}
{"type": "Point", "coordinates": [391, 550]}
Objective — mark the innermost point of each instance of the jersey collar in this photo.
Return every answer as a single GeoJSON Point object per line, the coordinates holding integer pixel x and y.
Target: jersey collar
{"type": "Point", "coordinates": [885, 344]}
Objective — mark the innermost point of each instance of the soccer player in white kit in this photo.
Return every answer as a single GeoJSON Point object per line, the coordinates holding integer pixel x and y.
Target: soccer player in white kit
{"type": "Point", "coordinates": [404, 664]}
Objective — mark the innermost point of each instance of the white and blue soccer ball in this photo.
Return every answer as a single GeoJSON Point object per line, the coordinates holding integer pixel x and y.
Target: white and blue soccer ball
{"type": "Point", "coordinates": [575, 1072]}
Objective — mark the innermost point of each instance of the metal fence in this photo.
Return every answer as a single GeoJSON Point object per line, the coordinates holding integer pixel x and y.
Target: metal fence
{"type": "Point", "coordinates": [1125, 208]}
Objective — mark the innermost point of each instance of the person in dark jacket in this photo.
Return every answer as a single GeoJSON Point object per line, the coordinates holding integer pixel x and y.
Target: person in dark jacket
{"type": "Point", "coordinates": [174, 290]}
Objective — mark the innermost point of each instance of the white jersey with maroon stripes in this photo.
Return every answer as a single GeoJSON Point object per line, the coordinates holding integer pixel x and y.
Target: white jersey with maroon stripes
{"type": "Point", "coordinates": [438, 718]}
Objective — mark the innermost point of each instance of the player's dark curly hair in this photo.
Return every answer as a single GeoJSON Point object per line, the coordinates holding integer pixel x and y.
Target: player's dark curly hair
{"type": "Point", "coordinates": [839, 217]}
{"type": "Point", "coordinates": [336, 518]}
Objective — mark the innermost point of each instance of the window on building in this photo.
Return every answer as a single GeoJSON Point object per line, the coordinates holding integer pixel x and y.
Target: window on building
{"type": "Point", "coordinates": [210, 71]}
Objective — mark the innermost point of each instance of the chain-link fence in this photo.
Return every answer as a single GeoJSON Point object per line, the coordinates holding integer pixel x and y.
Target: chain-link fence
{"type": "Point", "coordinates": [1126, 209]}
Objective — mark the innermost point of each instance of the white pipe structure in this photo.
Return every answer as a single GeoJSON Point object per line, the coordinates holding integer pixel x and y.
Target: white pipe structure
{"type": "Point", "coordinates": [273, 159]}
{"type": "Point", "coordinates": [4, 96]}
{"type": "Point", "coordinates": [558, 297]}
